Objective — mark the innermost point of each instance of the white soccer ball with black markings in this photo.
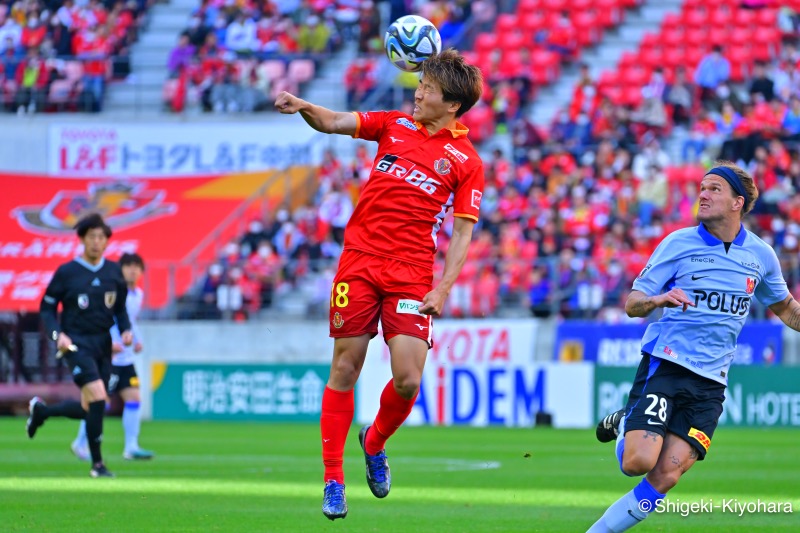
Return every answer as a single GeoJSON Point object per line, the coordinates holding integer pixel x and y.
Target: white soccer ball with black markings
{"type": "Point", "coordinates": [410, 40]}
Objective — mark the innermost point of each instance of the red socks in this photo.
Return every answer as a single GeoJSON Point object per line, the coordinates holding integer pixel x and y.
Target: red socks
{"type": "Point", "coordinates": [393, 412]}
{"type": "Point", "coordinates": [337, 416]}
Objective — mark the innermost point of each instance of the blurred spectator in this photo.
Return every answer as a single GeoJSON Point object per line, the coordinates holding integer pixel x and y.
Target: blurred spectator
{"type": "Point", "coordinates": [760, 83]}
{"type": "Point", "coordinates": [240, 35]}
{"type": "Point", "coordinates": [680, 95]}
{"type": "Point", "coordinates": [32, 79]}
{"type": "Point", "coordinates": [181, 56]}
{"type": "Point", "coordinates": [313, 37]}
{"type": "Point", "coordinates": [714, 69]}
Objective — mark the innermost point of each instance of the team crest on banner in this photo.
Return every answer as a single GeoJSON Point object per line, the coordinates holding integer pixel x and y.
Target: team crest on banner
{"type": "Point", "coordinates": [110, 298]}
{"type": "Point", "coordinates": [751, 285]}
{"type": "Point", "coordinates": [121, 204]}
{"type": "Point", "coordinates": [83, 301]}
{"type": "Point", "coordinates": [338, 321]}
{"type": "Point", "coordinates": [442, 166]}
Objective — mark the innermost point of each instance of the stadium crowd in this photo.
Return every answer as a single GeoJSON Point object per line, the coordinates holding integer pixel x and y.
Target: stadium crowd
{"type": "Point", "coordinates": [236, 56]}
{"type": "Point", "coordinates": [58, 55]}
{"type": "Point", "coordinates": [572, 213]}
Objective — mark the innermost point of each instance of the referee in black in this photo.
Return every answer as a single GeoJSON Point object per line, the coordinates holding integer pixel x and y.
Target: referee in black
{"type": "Point", "coordinates": [92, 292]}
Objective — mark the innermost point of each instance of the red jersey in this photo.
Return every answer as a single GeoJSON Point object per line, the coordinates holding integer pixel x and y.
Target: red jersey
{"type": "Point", "coordinates": [415, 179]}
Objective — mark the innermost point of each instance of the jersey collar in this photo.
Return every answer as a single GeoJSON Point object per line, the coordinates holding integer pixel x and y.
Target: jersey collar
{"type": "Point", "coordinates": [459, 131]}
{"type": "Point", "coordinates": [87, 265]}
{"type": "Point", "coordinates": [713, 241]}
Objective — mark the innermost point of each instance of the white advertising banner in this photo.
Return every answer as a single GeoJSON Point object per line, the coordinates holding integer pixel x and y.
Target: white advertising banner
{"type": "Point", "coordinates": [169, 150]}
{"type": "Point", "coordinates": [482, 372]}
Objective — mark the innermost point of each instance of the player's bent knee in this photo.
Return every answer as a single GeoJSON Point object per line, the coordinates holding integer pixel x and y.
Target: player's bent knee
{"type": "Point", "coordinates": [638, 462]}
{"type": "Point", "coordinates": [344, 373]}
{"type": "Point", "coordinates": [406, 387]}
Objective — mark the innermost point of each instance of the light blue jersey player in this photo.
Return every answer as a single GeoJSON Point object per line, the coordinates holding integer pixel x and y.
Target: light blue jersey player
{"type": "Point", "coordinates": [123, 379]}
{"type": "Point", "coordinates": [705, 278]}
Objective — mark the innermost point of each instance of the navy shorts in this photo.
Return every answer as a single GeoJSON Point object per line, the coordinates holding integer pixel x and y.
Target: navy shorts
{"type": "Point", "coordinates": [122, 377]}
{"type": "Point", "coordinates": [669, 397]}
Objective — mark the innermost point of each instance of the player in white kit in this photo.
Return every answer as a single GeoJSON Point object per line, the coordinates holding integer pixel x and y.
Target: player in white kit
{"type": "Point", "coordinates": [123, 379]}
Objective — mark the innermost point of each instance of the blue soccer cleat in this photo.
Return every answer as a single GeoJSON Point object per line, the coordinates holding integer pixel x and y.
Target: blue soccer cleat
{"type": "Point", "coordinates": [379, 477]}
{"type": "Point", "coordinates": [138, 455]}
{"type": "Point", "coordinates": [334, 502]}
{"type": "Point", "coordinates": [608, 428]}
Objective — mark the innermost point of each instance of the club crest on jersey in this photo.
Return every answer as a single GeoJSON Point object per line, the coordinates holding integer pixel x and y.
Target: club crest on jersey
{"type": "Point", "coordinates": [337, 321]}
{"type": "Point", "coordinates": [407, 123]}
{"type": "Point", "coordinates": [751, 285]}
{"type": "Point", "coordinates": [83, 301]}
{"type": "Point", "coordinates": [110, 298]}
{"type": "Point", "coordinates": [442, 166]}
{"type": "Point", "coordinates": [458, 155]}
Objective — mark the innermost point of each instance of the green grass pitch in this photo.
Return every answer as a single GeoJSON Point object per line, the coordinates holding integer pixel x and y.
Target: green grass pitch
{"type": "Point", "coordinates": [236, 477]}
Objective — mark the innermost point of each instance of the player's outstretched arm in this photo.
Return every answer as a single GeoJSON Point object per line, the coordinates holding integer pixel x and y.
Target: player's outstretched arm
{"type": "Point", "coordinates": [788, 311]}
{"type": "Point", "coordinates": [639, 304]}
{"type": "Point", "coordinates": [433, 302]}
{"type": "Point", "coordinates": [318, 117]}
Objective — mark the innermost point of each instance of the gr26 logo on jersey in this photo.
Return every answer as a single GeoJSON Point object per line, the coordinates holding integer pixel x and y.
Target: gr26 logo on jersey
{"type": "Point", "coordinates": [403, 168]}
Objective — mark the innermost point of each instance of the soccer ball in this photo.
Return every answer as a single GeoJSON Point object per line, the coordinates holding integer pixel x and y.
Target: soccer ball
{"type": "Point", "coordinates": [410, 40]}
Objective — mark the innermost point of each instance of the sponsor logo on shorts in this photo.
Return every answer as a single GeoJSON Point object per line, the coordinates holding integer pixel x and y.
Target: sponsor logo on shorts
{"type": "Point", "coordinates": [462, 157]}
{"type": "Point", "coordinates": [751, 285]}
{"type": "Point", "coordinates": [409, 307]}
{"type": "Point", "coordinates": [700, 437]}
{"type": "Point", "coordinates": [83, 301]}
{"type": "Point", "coordinates": [77, 370]}
{"type": "Point", "coordinates": [407, 124]}
{"type": "Point", "coordinates": [476, 198]}
{"type": "Point", "coordinates": [337, 321]}
{"type": "Point", "coordinates": [110, 298]}
{"type": "Point", "coordinates": [134, 381]}
{"type": "Point", "coordinates": [442, 166]}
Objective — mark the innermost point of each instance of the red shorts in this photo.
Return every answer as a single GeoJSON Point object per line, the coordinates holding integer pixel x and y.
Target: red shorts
{"type": "Point", "coordinates": [369, 287]}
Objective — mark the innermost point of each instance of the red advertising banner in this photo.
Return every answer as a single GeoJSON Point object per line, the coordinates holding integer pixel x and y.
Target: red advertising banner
{"type": "Point", "coordinates": [165, 220]}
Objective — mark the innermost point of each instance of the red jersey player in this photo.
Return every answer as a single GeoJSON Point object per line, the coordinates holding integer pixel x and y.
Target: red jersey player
{"type": "Point", "coordinates": [424, 166]}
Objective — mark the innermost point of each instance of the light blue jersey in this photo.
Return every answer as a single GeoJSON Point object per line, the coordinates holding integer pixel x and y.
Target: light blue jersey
{"type": "Point", "coordinates": [721, 285]}
{"type": "Point", "coordinates": [134, 305]}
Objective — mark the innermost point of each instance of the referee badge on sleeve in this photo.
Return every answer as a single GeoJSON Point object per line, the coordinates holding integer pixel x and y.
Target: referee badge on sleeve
{"type": "Point", "coordinates": [110, 298]}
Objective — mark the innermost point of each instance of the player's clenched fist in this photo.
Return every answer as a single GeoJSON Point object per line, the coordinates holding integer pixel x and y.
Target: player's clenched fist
{"type": "Point", "coordinates": [287, 103]}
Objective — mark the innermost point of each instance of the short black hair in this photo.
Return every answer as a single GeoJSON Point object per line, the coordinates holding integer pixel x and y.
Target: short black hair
{"type": "Point", "coordinates": [131, 259]}
{"type": "Point", "coordinates": [90, 222]}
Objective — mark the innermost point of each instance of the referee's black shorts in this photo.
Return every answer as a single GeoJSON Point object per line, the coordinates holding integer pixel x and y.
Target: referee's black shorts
{"type": "Point", "coordinates": [92, 361]}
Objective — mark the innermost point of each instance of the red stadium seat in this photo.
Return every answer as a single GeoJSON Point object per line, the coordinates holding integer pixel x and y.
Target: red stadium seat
{"type": "Point", "coordinates": [692, 56]}
{"type": "Point", "coordinates": [634, 77]}
{"type": "Point", "coordinates": [720, 18]}
{"type": "Point", "coordinates": [651, 57]}
{"type": "Point", "coordinates": [586, 26]}
{"type": "Point", "coordinates": [695, 19]}
{"type": "Point", "coordinates": [544, 66]}
{"type": "Point", "coordinates": [480, 121]}
{"type": "Point", "coordinates": [609, 12]}
{"type": "Point", "coordinates": [744, 18]}
{"type": "Point", "coordinates": [628, 60]}
{"type": "Point", "coordinates": [272, 69]}
{"type": "Point", "coordinates": [631, 96]}
{"type": "Point", "coordinates": [671, 21]}
{"type": "Point", "coordinates": [613, 93]}
{"type": "Point", "coordinates": [767, 18]}
{"type": "Point", "coordinates": [650, 40]}
{"type": "Point", "coordinates": [301, 70]}
{"type": "Point", "coordinates": [511, 41]}
{"type": "Point", "coordinates": [695, 37]}
{"type": "Point", "coordinates": [506, 23]}
{"type": "Point", "coordinates": [485, 42]}
{"type": "Point", "coordinates": [532, 23]}
{"type": "Point", "coordinates": [526, 7]}
{"type": "Point", "coordinates": [671, 37]}
{"type": "Point", "coordinates": [741, 59]}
